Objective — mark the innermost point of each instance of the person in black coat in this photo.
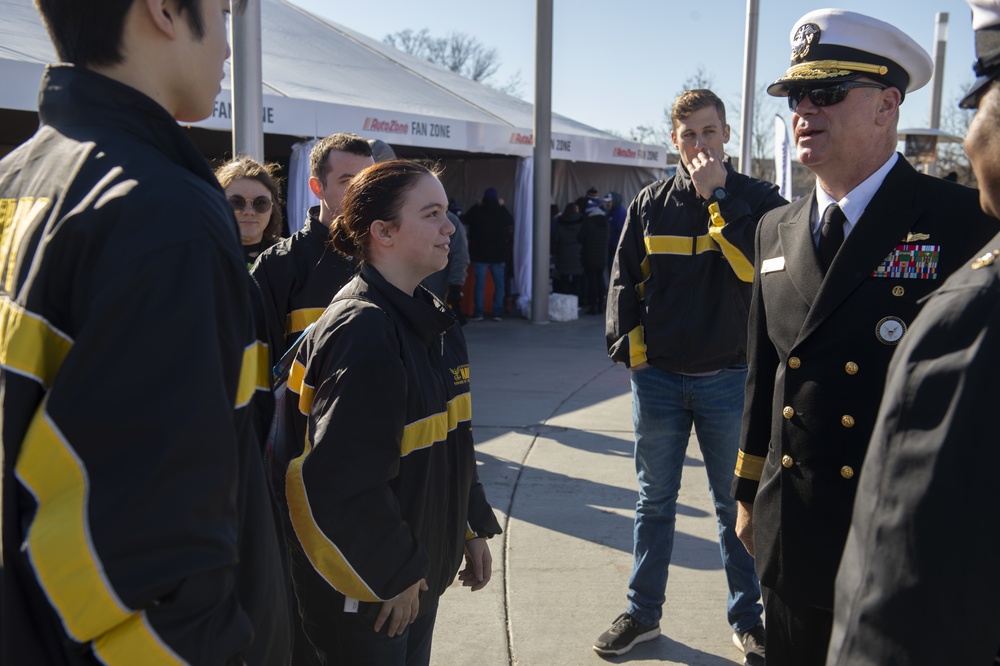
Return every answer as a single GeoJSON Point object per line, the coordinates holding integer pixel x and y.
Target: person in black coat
{"type": "Point", "coordinates": [593, 237]}
{"type": "Point", "coordinates": [566, 248]}
{"type": "Point", "coordinates": [924, 535]}
{"type": "Point", "coordinates": [840, 276]}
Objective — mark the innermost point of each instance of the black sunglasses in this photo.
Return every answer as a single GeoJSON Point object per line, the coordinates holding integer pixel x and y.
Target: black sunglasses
{"type": "Point", "coordinates": [826, 95]}
{"type": "Point", "coordinates": [260, 204]}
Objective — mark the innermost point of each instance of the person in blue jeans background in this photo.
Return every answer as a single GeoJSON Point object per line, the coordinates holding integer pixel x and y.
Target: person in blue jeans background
{"type": "Point", "coordinates": [677, 310]}
{"type": "Point", "coordinates": [491, 229]}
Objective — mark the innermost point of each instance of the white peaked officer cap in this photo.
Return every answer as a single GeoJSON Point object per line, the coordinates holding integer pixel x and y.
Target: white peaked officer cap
{"type": "Point", "coordinates": [834, 45]}
{"type": "Point", "coordinates": [986, 23]}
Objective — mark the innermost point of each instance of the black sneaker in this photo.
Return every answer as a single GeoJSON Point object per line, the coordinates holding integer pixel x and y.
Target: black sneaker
{"type": "Point", "coordinates": [751, 642]}
{"type": "Point", "coordinates": [624, 634]}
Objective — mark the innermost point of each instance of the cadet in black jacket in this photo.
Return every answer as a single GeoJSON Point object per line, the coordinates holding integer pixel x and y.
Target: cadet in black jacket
{"type": "Point", "coordinates": [137, 527]}
{"type": "Point", "coordinates": [383, 495]}
{"type": "Point", "coordinates": [828, 311]}
{"type": "Point", "coordinates": [299, 276]}
{"type": "Point", "coordinates": [677, 315]}
{"type": "Point", "coordinates": [922, 550]}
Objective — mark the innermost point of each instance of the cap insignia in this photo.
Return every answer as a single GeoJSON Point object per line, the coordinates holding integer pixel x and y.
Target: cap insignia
{"type": "Point", "coordinates": [803, 39]}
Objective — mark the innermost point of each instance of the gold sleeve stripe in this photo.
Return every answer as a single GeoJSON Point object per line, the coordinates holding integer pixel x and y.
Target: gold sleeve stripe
{"type": "Point", "coordinates": [742, 266]}
{"type": "Point", "coordinates": [253, 373]}
{"type": "Point", "coordinates": [469, 534]}
{"type": "Point", "coordinates": [680, 245]}
{"type": "Point", "coordinates": [296, 375]}
{"type": "Point", "coordinates": [306, 395]}
{"type": "Point", "coordinates": [428, 431]}
{"type": "Point", "coordinates": [324, 555]}
{"type": "Point", "coordinates": [134, 640]}
{"type": "Point", "coordinates": [63, 555]}
{"type": "Point", "coordinates": [297, 320]}
{"type": "Point", "coordinates": [29, 345]}
{"type": "Point", "coordinates": [749, 467]}
{"type": "Point", "coordinates": [636, 346]}
{"type": "Point", "coordinates": [644, 267]}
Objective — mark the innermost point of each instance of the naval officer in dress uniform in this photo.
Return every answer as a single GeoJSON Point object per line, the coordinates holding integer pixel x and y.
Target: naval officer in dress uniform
{"type": "Point", "coordinates": [922, 550]}
{"type": "Point", "coordinates": [840, 275]}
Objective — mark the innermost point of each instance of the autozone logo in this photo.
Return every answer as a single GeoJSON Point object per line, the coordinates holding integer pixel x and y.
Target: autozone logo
{"type": "Point", "coordinates": [387, 126]}
{"type": "Point", "coordinates": [625, 152]}
{"type": "Point", "coordinates": [523, 139]}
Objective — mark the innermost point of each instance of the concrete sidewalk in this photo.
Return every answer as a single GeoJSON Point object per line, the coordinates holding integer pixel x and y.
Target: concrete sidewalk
{"type": "Point", "coordinates": [553, 427]}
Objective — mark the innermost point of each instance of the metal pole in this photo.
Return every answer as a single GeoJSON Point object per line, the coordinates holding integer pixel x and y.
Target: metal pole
{"type": "Point", "coordinates": [940, 42]}
{"type": "Point", "coordinates": [749, 83]}
{"type": "Point", "coordinates": [542, 192]}
{"type": "Point", "coordinates": [247, 83]}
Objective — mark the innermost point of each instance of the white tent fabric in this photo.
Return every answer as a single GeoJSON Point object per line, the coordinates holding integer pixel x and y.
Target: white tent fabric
{"type": "Point", "coordinates": [523, 233]}
{"type": "Point", "coordinates": [300, 197]}
{"type": "Point", "coordinates": [320, 77]}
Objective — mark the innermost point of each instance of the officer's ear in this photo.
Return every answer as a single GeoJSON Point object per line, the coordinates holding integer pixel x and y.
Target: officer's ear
{"type": "Point", "coordinates": [888, 105]}
{"type": "Point", "coordinates": [725, 134]}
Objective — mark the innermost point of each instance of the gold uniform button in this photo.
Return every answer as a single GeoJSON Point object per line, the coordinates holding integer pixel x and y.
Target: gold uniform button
{"type": "Point", "coordinates": [788, 412]}
{"type": "Point", "coordinates": [851, 368]}
{"type": "Point", "coordinates": [898, 291]}
{"type": "Point", "coordinates": [794, 363]}
{"type": "Point", "coordinates": [786, 461]}
{"type": "Point", "coordinates": [847, 472]}
{"type": "Point", "coordinates": [847, 421]}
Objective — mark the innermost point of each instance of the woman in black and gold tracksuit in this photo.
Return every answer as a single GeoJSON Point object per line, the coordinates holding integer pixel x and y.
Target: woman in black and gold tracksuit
{"type": "Point", "coordinates": [382, 491]}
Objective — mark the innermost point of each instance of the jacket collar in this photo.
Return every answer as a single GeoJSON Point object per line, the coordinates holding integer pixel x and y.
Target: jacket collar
{"type": "Point", "coordinates": [882, 226]}
{"type": "Point", "coordinates": [315, 229]}
{"type": "Point", "coordinates": [74, 96]}
{"type": "Point", "coordinates": [422, 313]}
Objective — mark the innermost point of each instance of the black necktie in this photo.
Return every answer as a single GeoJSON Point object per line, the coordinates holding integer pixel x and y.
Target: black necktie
{"type": "Point", "coordinates": [831, 235]}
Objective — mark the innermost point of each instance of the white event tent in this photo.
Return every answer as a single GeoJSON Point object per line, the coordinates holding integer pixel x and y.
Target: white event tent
{"type": "Point", "coordinates": [320, 78]}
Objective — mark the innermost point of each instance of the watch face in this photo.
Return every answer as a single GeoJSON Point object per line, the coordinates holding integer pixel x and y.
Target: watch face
{"type": "Point", "coordinates": [719, 193]}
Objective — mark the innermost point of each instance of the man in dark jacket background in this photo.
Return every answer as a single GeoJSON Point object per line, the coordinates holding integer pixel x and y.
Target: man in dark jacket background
{"type": "Point", "coordinates": [491, 229]}
{"type": "Point", "coordinates": [676, 316]}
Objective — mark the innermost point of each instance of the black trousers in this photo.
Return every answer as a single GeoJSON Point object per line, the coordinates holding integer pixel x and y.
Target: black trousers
{"type": "Point", "coordinates": [796, 635]}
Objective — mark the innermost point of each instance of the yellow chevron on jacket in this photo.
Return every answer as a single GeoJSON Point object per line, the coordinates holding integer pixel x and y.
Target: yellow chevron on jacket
{"type": "Point", "coordinates": [29, 345]}
{"type": "Point", "coordinates": [742, 266]}
{"type": "Point", "coordinates": [62, 553]}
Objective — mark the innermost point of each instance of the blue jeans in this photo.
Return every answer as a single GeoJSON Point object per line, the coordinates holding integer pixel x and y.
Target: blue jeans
{"type": "Point", "coordinates": [496, 271]}
{"type": "Point", "coordinates": [664, 407]}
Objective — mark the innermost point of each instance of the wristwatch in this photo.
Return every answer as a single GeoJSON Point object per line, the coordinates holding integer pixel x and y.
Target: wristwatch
{"type": "Point", "coordinates": [719, 194]}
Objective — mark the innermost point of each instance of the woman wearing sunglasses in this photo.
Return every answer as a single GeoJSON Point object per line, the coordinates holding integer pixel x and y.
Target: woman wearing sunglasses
{"type": "Point", "coordinates": [253, 193]}
{"type": "Point", "coordinates": [383, 496]}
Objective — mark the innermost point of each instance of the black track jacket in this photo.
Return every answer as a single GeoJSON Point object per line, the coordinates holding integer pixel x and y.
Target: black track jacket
{"type": "Point", "coordinates": [137, 524]}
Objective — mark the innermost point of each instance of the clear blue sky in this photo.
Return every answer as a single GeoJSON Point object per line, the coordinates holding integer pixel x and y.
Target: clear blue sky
{"type": "Point", "coordinates": [617, 63]}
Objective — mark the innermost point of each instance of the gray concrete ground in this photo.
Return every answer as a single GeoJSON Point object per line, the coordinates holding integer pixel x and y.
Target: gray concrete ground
{"type": "Point", "coordinates": [553, 427]}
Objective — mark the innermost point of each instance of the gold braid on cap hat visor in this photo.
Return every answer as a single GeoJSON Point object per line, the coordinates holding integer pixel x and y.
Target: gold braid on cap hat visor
{"type": "Point", "coordinates": [825, 69]}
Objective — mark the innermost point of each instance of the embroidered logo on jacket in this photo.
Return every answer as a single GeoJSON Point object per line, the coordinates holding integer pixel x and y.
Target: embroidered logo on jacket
{"type": "Point", "coordinates": [460, 374]}
{"type": "Point", "coordinates": [910, 261]}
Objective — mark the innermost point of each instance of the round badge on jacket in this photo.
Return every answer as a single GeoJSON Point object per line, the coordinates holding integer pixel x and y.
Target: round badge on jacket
{"type": "Point", "coordinates": [890, 330]}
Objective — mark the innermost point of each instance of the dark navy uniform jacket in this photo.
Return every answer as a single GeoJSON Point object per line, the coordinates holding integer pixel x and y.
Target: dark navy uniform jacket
{"type": "Point", "coordinates": [819, 348]}
{"type": "Point", "coordinates": [922, 550]}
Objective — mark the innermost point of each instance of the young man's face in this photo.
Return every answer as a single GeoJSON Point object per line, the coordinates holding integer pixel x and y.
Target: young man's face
{"type": "Point", "coordinates": [204, 59]}
{"type": "Point", "coordinates": [982, 145]}
{"type": "Point", "coordinates": [700, 132]}
{"type": "Point", "coordinates": [342, 167]}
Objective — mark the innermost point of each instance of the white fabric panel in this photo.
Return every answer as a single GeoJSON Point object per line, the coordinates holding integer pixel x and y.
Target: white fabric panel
{"type": "Point", "coordinates": [300, 197]}
{"type": "Point", "coordinates": [524, 232]}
